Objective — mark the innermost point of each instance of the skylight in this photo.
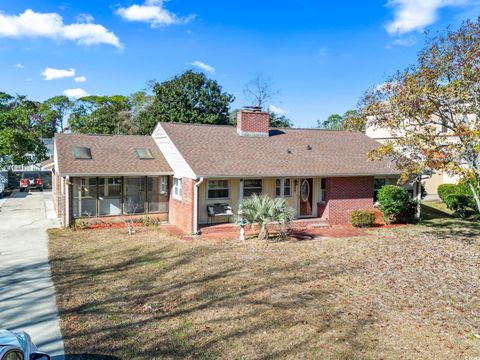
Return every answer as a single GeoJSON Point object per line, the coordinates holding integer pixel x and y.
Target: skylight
{"type": "Point", "coordinates": [82, 153]}
{"type": "Point", "coordinates": [143, 154]}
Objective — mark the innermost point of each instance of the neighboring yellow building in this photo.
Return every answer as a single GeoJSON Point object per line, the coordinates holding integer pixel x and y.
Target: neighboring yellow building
{"type": "Point", "coordinates": [430, 181]}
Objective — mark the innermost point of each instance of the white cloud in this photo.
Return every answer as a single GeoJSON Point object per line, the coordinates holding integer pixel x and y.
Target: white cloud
{"type": "Point", "coordinates": [413, 15]}
{"type": "Point", "coordinates": [205, 67]}
{"type": "Point", "coordinates": [277, 110]}
{"type": "Point", "coordinates": [76, 93]}
{"type": "Point", "coordinates": [154, 13]}
{"type": "Point", "coordinates": [410, 41]}
{"type": "Point", "coordinates": [80, 79]}
{"type": "Point", "coordinates": [52, 74]}
{"type": "Point", "coordinates": [85, 18]}
{"type": "Point", "coordinates": [50, 25]}
{"type": "Point", "coordinates": [18, 66]}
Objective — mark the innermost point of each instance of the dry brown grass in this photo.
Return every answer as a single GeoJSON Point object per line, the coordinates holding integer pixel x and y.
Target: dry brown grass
{"type": "Point", "coordinates": [409, 293]}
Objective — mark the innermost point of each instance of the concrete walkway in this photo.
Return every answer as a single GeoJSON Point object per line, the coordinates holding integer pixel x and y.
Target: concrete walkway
{"type": "Point", "coordinates": [27, 296]}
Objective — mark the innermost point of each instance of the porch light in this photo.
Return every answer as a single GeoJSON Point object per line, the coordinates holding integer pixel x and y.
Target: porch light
{"type": "Point", "coordinates": [295, 185]}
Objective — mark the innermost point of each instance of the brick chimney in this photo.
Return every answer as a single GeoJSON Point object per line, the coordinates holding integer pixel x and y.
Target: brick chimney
{"type": "Point", "coordinates": [253, 122]}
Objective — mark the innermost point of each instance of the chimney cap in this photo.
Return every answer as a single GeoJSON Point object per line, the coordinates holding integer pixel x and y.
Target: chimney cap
{"type": "Point", "coordinates": [253, 108]}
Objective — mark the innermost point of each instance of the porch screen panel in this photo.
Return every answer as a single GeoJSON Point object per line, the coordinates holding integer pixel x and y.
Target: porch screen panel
{"type": "Point", "coordinates": [157, 195]}
{"type": "Point", "coordinates": [134, 195]}
{"type": "Point", "coordinates": [110, 195]}
{"type": "Point", "coordinates": [84, 197]}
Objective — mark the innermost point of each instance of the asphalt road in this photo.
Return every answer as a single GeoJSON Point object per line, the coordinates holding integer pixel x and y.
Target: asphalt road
{"type": "Point", "coordinates": [27, 295]}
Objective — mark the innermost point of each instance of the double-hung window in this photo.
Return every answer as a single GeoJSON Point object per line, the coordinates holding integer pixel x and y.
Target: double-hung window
{"type": "Point", "coordinates": [252, 186]}
{"type": "Point", "coordinates": [177, 188]}
{"type": "Point", "coordinates": [323, 190]}
{"type": "Point", "coordinates": [286, 187]}
{"type": "Point", "coordinates": [218, 189]}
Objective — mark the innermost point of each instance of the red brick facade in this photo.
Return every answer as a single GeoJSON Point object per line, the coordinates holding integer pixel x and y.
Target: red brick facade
{"type": "Point", "coordinates": [253, 123]}
{"type": "Point", "coordinates": [345, 194]}
{"type": "Point", "coordinates": [181, 211]}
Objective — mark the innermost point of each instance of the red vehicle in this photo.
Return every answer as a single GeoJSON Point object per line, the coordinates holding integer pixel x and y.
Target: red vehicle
{"type": "Point", "coordinates": [31, 180]}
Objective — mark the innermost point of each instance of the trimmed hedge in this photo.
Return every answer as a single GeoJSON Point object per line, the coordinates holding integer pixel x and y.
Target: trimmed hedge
{"type": "Point", "coordinates": [446, 189]}
{"type": "Point", "coordinates": [458, 203]}
{"type": "Point", "coordinates": [395, 204]}
{"type": "Point", "coordinates": [457, 197]}
{"type": "Point", "coordinates": [362, 218]}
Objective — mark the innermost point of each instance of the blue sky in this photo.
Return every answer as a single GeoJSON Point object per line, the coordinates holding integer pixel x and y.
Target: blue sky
{"type": "Point", "coordinates": [321, 55]}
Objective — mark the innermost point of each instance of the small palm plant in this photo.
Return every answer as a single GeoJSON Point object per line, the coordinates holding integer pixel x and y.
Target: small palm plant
{"type": "Point", "coordinates": [265, 210]}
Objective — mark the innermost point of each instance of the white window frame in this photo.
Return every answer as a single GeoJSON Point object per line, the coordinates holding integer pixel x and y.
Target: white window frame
{"type": "Point", "coordinates": [283, 184]}
{"type": "Point", "coordinates": [244, 187]}
{"type": "Point", "coordinates": [177, 188]}
{"type": "Point", "coordinates": [218, 198]}
{"type": "Point", "coordinates": [323, 191]}
{"type": "Point", "coordinates": [163, 185]}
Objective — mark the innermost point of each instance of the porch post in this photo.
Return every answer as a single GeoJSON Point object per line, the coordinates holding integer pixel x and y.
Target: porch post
{"type": "Point", "coordinates": [240, 194]}
{"type": "Point", "coordinates": [282, 188]}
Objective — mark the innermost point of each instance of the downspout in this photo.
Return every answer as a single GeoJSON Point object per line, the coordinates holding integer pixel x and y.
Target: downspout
{"type": "Point", "coordinates": [195, 205]}
{"type": "Point", "coordinates": [67, 201]}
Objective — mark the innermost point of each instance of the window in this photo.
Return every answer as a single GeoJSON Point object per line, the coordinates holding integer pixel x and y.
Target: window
{"type": "Point", "coordinates": [110, 196]}
{"type": "Point", "coordinates": [143, 154]}
{"type": "Point", "coordinates": [134, 195]}
{"type": "Point", "coordinates": [218, 189]}
{"type": "Point", "coordinates": [377, 185]}
{"type": "Point", "coordinates": [444, 127]}
{"type": "Point", "coordinates": [164, 185]}
{"type": "Point", "coordinates": [252, 186]}
{"type": "Point", "coordinates": [323, 190]}
{"type": "Point", "coordinates": [81, 153]}
{"type": "Point", "coordinates": [286, 187]}
{"type": "Point", "coordinates": [177, 188]}
{"type": "Point", "coordinates": [157, 200]}
{"type": "Point", "coordinates": [84, 197]}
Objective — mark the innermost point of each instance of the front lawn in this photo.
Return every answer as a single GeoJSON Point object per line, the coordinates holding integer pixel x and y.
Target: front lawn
{"type": "Point", "coordinates": [410, 292]}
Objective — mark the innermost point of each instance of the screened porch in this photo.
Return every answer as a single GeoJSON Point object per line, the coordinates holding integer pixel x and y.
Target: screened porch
{"type": "Point", "coordinates": [119, 195]}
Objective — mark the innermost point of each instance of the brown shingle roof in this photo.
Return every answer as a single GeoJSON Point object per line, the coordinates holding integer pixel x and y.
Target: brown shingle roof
{"type": "Point", "coordinates": [219, 151]}
{"type": "Point", "coordinates": [111, 155]}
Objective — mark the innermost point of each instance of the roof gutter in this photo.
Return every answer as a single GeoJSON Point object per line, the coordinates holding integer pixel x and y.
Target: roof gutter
{"type": "Point", "coordinates": [195, 205]}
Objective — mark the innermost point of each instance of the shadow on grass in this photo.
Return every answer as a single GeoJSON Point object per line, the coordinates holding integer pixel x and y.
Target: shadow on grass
{"type": "Point", "coordinates": [445, 226]}
{"type": "Point", "coordinates": [88, 357]}
{"type": "Point", "coordinates": [135, 300]}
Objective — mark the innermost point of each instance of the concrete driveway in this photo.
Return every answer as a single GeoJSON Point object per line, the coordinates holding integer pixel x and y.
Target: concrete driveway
{"type": "Point", "coordinates": [27, 296]}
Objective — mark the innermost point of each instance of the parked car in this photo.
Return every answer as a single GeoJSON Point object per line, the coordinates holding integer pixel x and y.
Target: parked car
{"type": "Point", "coordinates": [19, 346]}
{"type": "Point", "coordinates": [31, 180]}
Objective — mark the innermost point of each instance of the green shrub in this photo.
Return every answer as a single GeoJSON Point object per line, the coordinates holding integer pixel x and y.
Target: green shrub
{"type": "Point", "coordinates": [148, 221]}
{"type": "Point", "coordinates": [458, 203]}
{"type": "Point", "coordinates": [362, 218]}
{"type": "Point", "coordinates": [462, 194]}
{"type": "Point", "coordinates": [394, 203]}
{"type": "Point", "coordinates": [264, 210]}
{"type": "Point", "coordinates": [446, 189]}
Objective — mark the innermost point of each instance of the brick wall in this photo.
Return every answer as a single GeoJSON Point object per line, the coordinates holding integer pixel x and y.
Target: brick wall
{"type": "Point", "coordinates": [57, 195]}
{"type": "Point", "coordinates": [345, 194]}
{"type": "Point", "coordinates": [253, 123]}
{"type": "Point", "coordinates": [181, 211]}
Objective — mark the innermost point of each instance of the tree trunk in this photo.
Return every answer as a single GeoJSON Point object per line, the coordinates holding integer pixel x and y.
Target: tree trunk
{"type": "Point", "coordinates": [475, 193]}
{"type": "Point", "coordinates": [263, 234]}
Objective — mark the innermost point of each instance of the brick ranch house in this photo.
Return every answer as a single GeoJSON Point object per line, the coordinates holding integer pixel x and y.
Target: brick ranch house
{"type": "Point", "coordinates": [194, 175]}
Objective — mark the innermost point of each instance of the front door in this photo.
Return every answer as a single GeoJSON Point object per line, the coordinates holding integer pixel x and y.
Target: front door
{"type": "Point", "coordinates": [306, 197]}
